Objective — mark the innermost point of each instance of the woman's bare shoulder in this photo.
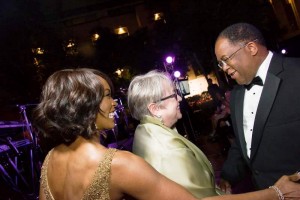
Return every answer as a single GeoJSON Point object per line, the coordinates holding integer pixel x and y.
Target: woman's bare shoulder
{"type": "Point", "coordinates": [127, 172]}
{"type": "Point", "coordinates": [128, 163]}
{"type": "Point", "coordinates": [125, 158]}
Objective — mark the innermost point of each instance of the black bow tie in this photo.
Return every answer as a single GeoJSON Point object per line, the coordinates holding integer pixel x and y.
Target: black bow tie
{"type": "Point", "coordinates": [256, 81]}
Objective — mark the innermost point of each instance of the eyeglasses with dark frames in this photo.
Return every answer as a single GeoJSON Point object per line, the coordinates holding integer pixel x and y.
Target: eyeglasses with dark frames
{"type": "Point", "coordinates": [174, 95]}
{"type": "Point", "coordinates": [223, 62]}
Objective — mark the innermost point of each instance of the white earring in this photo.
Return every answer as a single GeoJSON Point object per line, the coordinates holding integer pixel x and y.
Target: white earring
{"type": "Point", "coordinates": [160, 119]}
{"type": "Point", "coordinates": [95, 126]}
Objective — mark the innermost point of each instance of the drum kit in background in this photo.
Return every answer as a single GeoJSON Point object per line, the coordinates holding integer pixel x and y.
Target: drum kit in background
{"type": "Point", "coordinates": [19, 161]}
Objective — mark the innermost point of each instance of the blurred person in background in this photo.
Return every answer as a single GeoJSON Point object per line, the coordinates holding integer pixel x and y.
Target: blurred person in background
{"type": "Point", "coordinates": [216, 93]}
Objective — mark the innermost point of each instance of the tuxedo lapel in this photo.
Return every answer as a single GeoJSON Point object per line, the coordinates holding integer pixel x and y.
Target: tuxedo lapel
{"type": "Point", "coordinates": [239, 104]}
{"type": "Point", "coordinates": [265, 104]}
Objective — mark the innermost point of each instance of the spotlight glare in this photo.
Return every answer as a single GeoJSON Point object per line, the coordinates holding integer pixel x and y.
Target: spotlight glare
{"type": "Point", "coordinates": [177, 74]}
{"type": "Point", "coordinates": [283, 51]}
{"type": "Point", "coordinates": [169, 59]}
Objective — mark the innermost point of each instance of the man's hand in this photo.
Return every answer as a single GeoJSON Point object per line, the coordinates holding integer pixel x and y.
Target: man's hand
{"type": "Point", "coordinates": [225, 186]}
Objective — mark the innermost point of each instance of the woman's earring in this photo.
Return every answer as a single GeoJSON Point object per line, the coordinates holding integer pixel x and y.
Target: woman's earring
{"type": "Point", "coordinates": [160, 119]}
{"type": "Point", "coordinates": [96, 126]}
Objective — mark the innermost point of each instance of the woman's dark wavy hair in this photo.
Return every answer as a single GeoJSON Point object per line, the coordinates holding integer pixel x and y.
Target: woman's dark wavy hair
{"type": "Point", "coordinates": [69, 104]}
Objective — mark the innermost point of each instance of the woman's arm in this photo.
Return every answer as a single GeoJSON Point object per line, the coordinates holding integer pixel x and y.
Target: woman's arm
{"type": "Point", "coordinates": [267, 194]}
{"type": "Point", "coordinates": [286, 186]}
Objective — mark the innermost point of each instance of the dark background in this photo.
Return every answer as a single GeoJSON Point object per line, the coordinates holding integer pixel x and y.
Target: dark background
{"type": "Point", "coordinates": [188, 30]}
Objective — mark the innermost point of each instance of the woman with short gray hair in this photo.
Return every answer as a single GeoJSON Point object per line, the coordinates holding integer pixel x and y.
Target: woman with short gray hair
{"type": "Point", "coordinates": [153, 100]}
{"type": "Point", "coordinates": [141, 92]}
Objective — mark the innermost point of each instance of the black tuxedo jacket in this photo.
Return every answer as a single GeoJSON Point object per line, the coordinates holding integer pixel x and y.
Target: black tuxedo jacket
{"type": "Point", "coordinates": [275, 147]}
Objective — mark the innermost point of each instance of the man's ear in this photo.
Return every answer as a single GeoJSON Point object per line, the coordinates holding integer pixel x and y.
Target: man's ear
{"type": "Point", "coordinates": [252, 46]}
{"type": "Point", "coordinates": [154, 109]}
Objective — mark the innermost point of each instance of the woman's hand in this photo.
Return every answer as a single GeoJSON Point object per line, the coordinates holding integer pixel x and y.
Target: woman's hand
{"type": "Point", "coordinates": [289, 187]}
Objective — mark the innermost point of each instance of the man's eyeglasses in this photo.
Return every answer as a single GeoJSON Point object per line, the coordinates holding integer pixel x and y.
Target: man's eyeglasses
{"type": "Point", "coordinates": [169, 97]}
{"type": "Point", "coordinates": [223, 61]}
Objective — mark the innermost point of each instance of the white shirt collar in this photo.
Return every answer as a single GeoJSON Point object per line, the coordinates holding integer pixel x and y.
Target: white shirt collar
{"type": "Point", "coordinates": [263, 68]}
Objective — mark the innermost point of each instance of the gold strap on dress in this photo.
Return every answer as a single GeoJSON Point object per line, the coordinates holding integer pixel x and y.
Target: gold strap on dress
{"type": "Point", "coordinates": [44, 179]}
{"type": "Point", "coordinates": [99, 188]}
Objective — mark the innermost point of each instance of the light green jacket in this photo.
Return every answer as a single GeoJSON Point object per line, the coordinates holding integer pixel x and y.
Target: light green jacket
{"type": "Point", "coordinates": [175, 157]}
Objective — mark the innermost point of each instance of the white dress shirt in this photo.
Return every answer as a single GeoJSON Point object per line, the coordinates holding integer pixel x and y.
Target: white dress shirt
{"type": "Point", "coordinates": [251, 101]}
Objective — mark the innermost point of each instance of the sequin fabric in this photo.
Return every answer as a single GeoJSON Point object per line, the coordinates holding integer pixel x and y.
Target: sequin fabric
{"type": "Point", "coordinates": [99, 187]}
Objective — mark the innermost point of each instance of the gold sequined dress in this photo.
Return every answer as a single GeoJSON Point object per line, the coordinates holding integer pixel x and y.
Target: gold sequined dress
{"type": "Point", "coordinates": [99, 187]}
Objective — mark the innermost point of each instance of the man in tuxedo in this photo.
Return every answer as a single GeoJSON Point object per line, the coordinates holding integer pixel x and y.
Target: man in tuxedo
{"type": "Point", "coordinates": [265, 108]}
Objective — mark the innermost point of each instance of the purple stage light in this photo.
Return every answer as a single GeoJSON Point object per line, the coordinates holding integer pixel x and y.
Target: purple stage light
{"type": "Point", "coordinates": [177, 74]}
{"type": "Point", "coordinates": [170, 59]}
